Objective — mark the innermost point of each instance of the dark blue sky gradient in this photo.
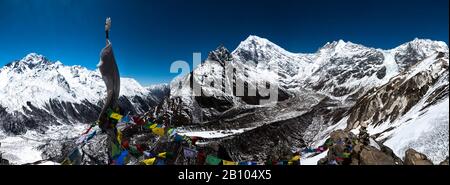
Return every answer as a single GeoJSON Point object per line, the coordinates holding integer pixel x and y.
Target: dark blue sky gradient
{"type": "Point", "coordinates": [148, 36]}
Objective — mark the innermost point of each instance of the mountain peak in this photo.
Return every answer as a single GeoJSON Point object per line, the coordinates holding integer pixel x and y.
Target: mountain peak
{"type": "Point", "coordinates": [30, 61]}
{"type": "Point", "coordinates": [255, 40]}
{"type": "Point", "coordinates": [338, 44]}
{"type": "Point", "coordinates": [34, 58]}
{"type": "Point", "coordinates": [221, 54]}
{"type": "Point", "coordinates": [256, 43]}
{"type": "Point", "coordinates": [426, 44]}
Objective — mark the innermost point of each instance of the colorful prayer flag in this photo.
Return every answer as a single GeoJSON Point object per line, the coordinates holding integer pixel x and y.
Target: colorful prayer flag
{"type": "Point", "coordinates": [115, 152]}
{"type": "Point", "coordinates": [178, 138]}
{"type": "Point", "coordinates": [213, 160]}
{"type": "Point", "coordinates": [149, 161]}
{"type": "Point", "coordinates": [153, 126]}
{"type": "Point", "coordinates": [90, 136]}
{"type": "Point", "coordinates": [81, 139]}
{"type": "Point", "coordinates": [189, 153]}
{"type": "Point", "coordinates": [225, 162]}
{"type": "Point", "coordinates": [148, 154]}
{"type": "Point", "coordinates": [148, 125]}
{"type": "Point", "coordinates": [247, 163]}
{"type": "Point", "coordinates": [160, 162]}
{"type": "Point", "coordinates": [116, 116]}
{"type": "Point", "coordinates": [162, 155]}
{"type": "Point", "coordinates": [122, 157]}
{"type": "Point", "coordinates": [125, 119]}
{"type": "Point", "coordinates": [158, 131]}
{"type": "Point", "coordinates": [119, 136]}
{"type": "Point", "coordinates": [296, 158]}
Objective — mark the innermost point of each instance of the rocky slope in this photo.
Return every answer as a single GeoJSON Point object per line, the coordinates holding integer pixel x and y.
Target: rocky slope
{"type": "Point", "coordinates": [342, 85]}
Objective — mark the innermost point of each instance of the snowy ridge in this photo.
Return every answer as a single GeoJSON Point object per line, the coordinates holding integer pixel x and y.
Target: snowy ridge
{"type": "Point", "coordinates": [36, 80]}
{"type": "Point", "coordinates": [341, 73]}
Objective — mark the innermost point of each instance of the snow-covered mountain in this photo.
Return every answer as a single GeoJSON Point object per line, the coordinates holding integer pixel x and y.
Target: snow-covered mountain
{"type": "Point", "coordinates": [36, 93]}
{"type": "Point", "coordinates": [401, 94]}
{"type": "Point", "coordinates": [337, 87]}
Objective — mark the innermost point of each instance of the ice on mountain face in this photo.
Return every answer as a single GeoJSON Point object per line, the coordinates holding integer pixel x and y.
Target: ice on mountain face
{"type": "Point", "coordinates": [410, 53]}
{"type": "Point", "coordinates": [425, 131]}
{"type": "Point", "coordinates": [264, 53]}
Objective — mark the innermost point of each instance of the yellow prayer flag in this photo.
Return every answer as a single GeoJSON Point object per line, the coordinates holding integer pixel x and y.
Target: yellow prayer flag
{"type": "Point", "coordinates": [149, 161]}
{"type": "Point", "coordinates": [290, 163]}
{"type": "Point", "coordinates": [225, 162]}
{"type": "Point", "coordinates": [162, 155]}
{"type": "Point", "coordinates": [119, 136]}
{"type": "Point", "coordinates": [153, 126]}
{"type": "Point", "coordinates": [296, 158]}
{"type": "Point", "coordinates": [116, 116]}
{"type": "Point", "coordinates": [158, 131]}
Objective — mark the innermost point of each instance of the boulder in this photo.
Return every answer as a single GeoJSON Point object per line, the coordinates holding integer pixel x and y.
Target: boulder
{"type": "Point", "coordinates": [412, 157]}
{"type": "Point", "coordinates": [372, 156]}
{"type": "Point", "coordinates": [391, 153]}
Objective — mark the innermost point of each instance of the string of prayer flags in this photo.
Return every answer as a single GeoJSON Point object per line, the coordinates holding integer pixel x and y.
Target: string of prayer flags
{"type": "Point", "coordinates": [213, 160]}
{"type": "Point", "coordinates": [225, 162]}
{"type": "Point", "coordinates": [149, 161]}
{"type": "Point", "coordinates": [85, 137]}
{"type": "Point", "coordinates": [89, 129]}
{"type": "Point", "coordinates": [90, 136]}
{"type": "Point", "coordinates": [81, 139]}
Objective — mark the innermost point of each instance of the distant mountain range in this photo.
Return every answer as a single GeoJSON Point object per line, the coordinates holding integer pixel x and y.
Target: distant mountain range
{"type": "Point", "coordinates": [401, 94]}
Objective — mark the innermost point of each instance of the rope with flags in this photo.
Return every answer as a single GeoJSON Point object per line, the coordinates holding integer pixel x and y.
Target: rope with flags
{"type": "Point", "coordinates": [186, 151]}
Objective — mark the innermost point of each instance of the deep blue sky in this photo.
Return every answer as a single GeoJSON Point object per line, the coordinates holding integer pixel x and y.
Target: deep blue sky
{"type": "Point", "coordinates": [149, 35]}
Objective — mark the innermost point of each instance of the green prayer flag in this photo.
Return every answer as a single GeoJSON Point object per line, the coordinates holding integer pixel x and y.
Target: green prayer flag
{"type": "Point", "coordinates": [213, 160]}
{"type": "Point", "coordinates": [134, 151]}
{"type": "Point", "coordinates": [115, 150]}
